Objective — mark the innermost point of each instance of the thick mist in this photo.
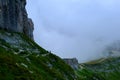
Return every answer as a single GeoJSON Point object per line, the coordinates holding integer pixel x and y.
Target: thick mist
{"type": "Point", "coordinates": [75, 28]}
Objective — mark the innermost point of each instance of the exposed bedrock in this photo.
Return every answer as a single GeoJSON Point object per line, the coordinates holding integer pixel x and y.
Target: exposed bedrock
{"type": "Point", "coordinates": [13, 17]}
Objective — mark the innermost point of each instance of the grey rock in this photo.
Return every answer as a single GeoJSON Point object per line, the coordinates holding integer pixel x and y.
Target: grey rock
{"type": "Point", "coordinates": [14, 18]}
{"type": "Point", "coordinates": [28, 30]}
{"type": "Point", "coordinates": [73, 62]}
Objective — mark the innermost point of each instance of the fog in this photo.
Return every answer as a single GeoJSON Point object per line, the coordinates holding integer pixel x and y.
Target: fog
{"type": "Point", "coordinates": [75, 28]}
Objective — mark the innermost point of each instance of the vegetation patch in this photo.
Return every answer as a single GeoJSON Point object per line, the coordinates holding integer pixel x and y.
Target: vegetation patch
{"type": "Point", "coordinates": [28, 61]}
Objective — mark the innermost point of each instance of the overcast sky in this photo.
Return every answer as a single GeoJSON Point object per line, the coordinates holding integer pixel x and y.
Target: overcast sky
{"type": "Point", "coordinates": [75, 28]}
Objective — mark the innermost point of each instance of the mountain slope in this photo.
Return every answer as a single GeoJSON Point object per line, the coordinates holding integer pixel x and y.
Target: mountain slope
{"type": "Point", "coordinates": [22, 59]}
{"type": "Point", "coordinates": [101, 69]}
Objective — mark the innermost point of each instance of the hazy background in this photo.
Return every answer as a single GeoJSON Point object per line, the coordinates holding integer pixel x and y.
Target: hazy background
{"type": "Point", "coordinates": [75, 28]}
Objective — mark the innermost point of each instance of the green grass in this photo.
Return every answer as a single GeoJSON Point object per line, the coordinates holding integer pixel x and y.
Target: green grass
{"type": "Point", "coordinates": [43, 65]}
{"type": "Point", "coordinates": [28, 65]}
{"type": "Point", "coordinates": [106, 70]}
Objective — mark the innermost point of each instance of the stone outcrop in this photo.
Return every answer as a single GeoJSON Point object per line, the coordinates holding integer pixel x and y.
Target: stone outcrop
{"type": "Point", "coordinates": [73, 62]}
{"type": "Point", "coordinates": [28, 30]}
{"type": "Point", "coordinates": [13, 17]}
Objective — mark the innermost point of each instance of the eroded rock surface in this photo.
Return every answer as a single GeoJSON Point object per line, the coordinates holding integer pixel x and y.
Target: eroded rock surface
{"type": "Point", "coordinates": [73, 62]}
{"type": "Point", "coordinates": [13, 17]}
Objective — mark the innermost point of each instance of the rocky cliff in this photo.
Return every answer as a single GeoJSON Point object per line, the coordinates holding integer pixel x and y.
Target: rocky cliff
{"type": "Point", "coordinates": [73, 62]}
{"type": "Point", "coordinates": [20, 57]}
{"type": "Point", "coordinates": [13, 17]}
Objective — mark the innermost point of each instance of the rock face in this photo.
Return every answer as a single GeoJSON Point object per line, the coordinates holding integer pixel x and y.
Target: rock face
{"type": "Point", "coordinates": [28, 30]}
{"type": "Point", "coordinates": [13, 17]}
{"type": "Point", "coordinates": [73, 62]}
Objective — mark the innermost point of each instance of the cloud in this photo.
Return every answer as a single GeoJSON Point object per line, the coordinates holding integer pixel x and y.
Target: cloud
{"type": "Point", "coordinates": [75, 28]}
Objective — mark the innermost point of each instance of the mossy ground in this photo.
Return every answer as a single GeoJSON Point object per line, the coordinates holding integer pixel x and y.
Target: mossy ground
{"type": "Point", "coordinates": [25, 64]}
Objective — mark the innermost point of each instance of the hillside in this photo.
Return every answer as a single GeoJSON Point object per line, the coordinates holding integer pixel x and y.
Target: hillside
{"type": "Point", "coordinates": [103, 65]}
{"type": "Point", "coordinates": [22, 59]}
{"type": "Point", "coordinates": [101, 69]}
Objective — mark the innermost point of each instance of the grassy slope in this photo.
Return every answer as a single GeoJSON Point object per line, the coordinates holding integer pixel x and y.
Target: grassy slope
{"type": "Point", "coordinates": [107, 69]}
{"type": "Point", "coordinates": [28, 61]}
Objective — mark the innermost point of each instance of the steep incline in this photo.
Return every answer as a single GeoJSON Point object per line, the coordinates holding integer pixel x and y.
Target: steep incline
{"type": "Point", "coordinates": [22, 59]}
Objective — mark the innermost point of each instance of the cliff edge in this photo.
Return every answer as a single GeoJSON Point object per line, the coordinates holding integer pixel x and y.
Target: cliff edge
{"type": "Point", "coordinates": [14, 18]}
{"type": "Point", "coordinates": [20, 57]}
